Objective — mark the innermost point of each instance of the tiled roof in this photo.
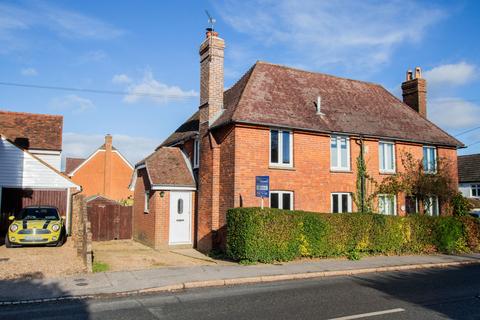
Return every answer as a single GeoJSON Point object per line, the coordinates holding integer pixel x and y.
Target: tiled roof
{"type": "Point", "coordinates": [72, 164]}
{"type": "Point", "coordinates": [33, 131]}
{"type": "Point", "coordinates": [276, 95]}
{"type": "Point", "coordinates": [469, 168]}
{"type": "Point", "coordinates": [187, 130]}
{"type": "Point", "coordinates": [168, 166]}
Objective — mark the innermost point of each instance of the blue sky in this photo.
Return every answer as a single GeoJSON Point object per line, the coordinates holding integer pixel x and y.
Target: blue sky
{"type": "Point", "coordinates": [152, 47]}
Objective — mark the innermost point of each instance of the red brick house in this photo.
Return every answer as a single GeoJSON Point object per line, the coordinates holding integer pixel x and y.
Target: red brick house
{"type": "Point", "coordinates": [105, 172]}
{"type": "Point", "coordinates": [302, 129]}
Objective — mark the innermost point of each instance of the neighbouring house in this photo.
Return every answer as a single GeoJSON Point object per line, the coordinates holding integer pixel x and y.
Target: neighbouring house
{"type": "Point", "coordinates": [105, 172]}
{"type": "Point", "coordinates": [469, 178]}
{"type": "Point", "coordinates": [30, 156]}
{"type": "Point", "coordinates": [302, 129]}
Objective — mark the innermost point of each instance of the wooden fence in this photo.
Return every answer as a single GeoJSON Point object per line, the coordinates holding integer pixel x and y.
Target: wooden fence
{"type": "Point", "coordinates": [110, 221]}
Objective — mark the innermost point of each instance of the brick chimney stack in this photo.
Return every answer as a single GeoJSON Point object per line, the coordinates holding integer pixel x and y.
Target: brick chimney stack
{"type": "Point", "coordinates": [414, 91]}
{"type": "Point", "coordinates": [107, 182]}
{"type": "Point", "coordinates": [211, 76]}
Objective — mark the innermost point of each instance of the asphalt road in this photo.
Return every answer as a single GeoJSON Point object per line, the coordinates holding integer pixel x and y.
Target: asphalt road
{"type": "Point", "coordinates": [427, 294]}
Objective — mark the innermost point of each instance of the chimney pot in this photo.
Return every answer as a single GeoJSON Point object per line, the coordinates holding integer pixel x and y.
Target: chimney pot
{"type": "Point", "coordinates": [418, 73]}
{"type": "Point", "coordinates": [409, 75]}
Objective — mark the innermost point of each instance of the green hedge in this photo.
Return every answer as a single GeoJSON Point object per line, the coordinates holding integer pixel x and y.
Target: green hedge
{"type": "Point", "coordinates": [270, 235]}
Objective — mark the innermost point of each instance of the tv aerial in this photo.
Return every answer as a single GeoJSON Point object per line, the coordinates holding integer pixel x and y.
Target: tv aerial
{"type": "Point", "coordinates": [211, 21]}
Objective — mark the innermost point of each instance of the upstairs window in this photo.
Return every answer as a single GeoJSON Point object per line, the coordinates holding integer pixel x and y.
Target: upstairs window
{"type": "Point", "coordinates": [431, 206]}
{"type": "Point", "coordinates": [281, 200]}
{"type": "Point", "coordinates": [340, 153]}
{"type": "Point", "coordinates": [147, 201]}
{"type": "Point", "coordinates": [281, 148]}
{"type": "Point", "coordinates": [475, 190]}
{"type": "Point", "coordinates": [386, 153]}
{"type": "Point", "coordinates": [387, 204]}
{"type": "Point", "coordinates": [430, 159]}
{"type": "Point", "coordinates": [341, 202]}
{"type": "Point", "coordinates": [196, 153]}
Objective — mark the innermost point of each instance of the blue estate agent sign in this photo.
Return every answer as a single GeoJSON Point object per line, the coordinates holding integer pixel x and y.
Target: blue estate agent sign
{"type": "Point", "coordinates": [262, 186]}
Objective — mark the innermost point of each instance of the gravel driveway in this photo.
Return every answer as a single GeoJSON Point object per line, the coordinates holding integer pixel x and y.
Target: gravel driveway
{"type": "Point", "coordinates": [39, 262]}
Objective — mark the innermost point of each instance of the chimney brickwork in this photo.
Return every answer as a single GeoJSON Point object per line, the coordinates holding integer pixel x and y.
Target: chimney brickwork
{"type": "Point", "coordinates": [108, 165]}
{"type": "Point", "coordinates": [414, 92]}
{"type": "Point", "coordinates": [211, 105]}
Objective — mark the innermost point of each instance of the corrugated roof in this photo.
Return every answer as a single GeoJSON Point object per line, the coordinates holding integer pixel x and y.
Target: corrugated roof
{"type": "Point", "coordinates": [469, 168]}
{"type": "Point", "coordinates": [32, 131]}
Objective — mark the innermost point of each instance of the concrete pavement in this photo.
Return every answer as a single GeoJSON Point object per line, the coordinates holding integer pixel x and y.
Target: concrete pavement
{"type": "Point", "coordinates": [176, 278]}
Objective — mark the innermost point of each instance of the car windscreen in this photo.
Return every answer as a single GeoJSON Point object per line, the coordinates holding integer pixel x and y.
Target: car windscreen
{"type": "Point", "coordinates": [38, 214]}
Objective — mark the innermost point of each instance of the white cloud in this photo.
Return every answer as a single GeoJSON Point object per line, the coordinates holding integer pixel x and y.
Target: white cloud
{"type": "Point", "coordinates": [151, 89]}
{"type": "Point", "coordinates": [358, 34]}
{"type": "Point", "coordinates": [451, 74]}
{"type": "Point", "coordinates": [15, 20]}
{"type": "Point", "coordinates": [72, 102]}
{"type": "Point", "coordinates": [454, 113]}
{"type": "Point", "coordinates": [29, 72]}
{"type": "Point", "coordinates": [133, 148]}
{"type": "Point", "coordinates": [121, 79]}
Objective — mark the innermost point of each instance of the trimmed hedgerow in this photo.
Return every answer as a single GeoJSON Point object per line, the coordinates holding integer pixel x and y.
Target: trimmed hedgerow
{"type": "Point", "coordinates": [267, 235]}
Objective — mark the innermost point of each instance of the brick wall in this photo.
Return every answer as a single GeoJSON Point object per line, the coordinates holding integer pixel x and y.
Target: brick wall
{"type": "Point", "coordinates": [81, 231]}
{"type": "Point", "coordinates": [143, 223]}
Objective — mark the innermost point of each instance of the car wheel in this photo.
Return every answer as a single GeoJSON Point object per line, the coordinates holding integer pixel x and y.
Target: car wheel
{"type": "Point", "coordinates": [61, 241]}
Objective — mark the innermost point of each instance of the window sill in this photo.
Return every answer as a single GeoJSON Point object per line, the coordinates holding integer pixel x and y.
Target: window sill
{"type": "Point", "coordinates": [388, 172]}
{"type": "Point", "coordinates": [274, 167]}
{"type": "Point", "coordinates": [341, 171]}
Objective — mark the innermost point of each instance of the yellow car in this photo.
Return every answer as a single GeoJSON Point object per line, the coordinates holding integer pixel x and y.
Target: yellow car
{"type": "Point", "coordinates": [36, 225]}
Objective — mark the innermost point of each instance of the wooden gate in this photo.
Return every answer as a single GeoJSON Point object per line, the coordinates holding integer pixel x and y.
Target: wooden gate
{"type": "Point", "coordinates": [110, 221]}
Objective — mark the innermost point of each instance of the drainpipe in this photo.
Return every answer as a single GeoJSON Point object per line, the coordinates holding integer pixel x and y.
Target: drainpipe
{"type": "Point", "coordinates": [359, 142]}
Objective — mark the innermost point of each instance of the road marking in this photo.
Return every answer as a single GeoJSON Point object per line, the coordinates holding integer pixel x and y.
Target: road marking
{"type": "Point", "coordinates": [370, 314]}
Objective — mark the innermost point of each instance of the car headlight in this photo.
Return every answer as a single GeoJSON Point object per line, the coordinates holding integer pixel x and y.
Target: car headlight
{"type": "Point", "coordinates": [13, 228]}
{"type": "Point", "coordinates": [55, 227]}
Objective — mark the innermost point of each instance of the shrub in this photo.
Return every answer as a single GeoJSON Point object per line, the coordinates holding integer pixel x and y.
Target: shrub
{"type": "Point", "coordinates": [271, 235]}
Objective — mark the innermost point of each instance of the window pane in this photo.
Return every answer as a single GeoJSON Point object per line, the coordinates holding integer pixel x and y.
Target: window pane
{"type": "Point", "coordinates": [180, 206]}
{"type": "Point", "coordinates": [381, 152]}
{"type": "Point", "coordinates": [274, 200]}
{"type": "Point", "coordinates": [286, 146]}
{"type": "Point", "coordinates": [274, 146]}
{"type": "Point", "coordinates": [435, 210]}
{"type": "Point", "coordinates": [389, 157]}
{"type": "Point", "coordinates": [391, 206]}
{"type": "Point", "coordinates": [344, 203]}
{"type": "Point", "coordinates": [425, 159]}
{"type": "Point", "coordinates": [333, 152]}
{"type": "Point", "coordinates": [286, 201]}
{"type": "Point", "coordinates": [433, 159]}
{"type": "Point", "coordinates": [381, 204]}
{"type": "Point", "coordinates": [343, 150]}
{"type": "Point", "coordinates": [334, 203]}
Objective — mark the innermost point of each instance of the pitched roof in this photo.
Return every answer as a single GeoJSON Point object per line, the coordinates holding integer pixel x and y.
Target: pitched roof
{"type": "Point", "coordinates": [169, 166]}
{"type": "Point", "coordinates": [33, 131]}
{"type": "Point", "coordinates": [469, 168]}
{"type": "Point", "coordinates": [187, 130]}
{"type": "Point", "coordinates": [72, 164]}
{"type": "Point", "coordinates": [276, 95]}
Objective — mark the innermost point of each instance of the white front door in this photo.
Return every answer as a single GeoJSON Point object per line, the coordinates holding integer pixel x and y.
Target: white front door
{"type": "Point", "coordinates": [180, 217]}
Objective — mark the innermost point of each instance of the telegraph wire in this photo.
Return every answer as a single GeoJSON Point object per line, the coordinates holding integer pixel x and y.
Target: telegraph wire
{"type": "Point", "coordinates": [467, 131]}
{"type": "Point", "coordinates": [98, 91]}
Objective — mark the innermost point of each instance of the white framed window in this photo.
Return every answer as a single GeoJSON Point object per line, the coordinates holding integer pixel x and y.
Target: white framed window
{"type": "Point", "coordinates": [386, 157]}
{"type": "Point", "coordinates": [281, 148]}
{"type": "Point", "coordinates": [429, 159]}
{"type": "Point", "coordinates": [387, 204]}
{"type": "Point", "coordinates": [475, 190]}
{"type": "Point", "coordinates": [431, 206]}
{"type": "Point", "coordinates": [340, 153]}
{"type": "Point", "coordinates": [341, 202]}
{"type": "Point", "coordinates": [281, 200]}
{"type": "Point", "coordinates": [196, 153]}
{"type": "Point", "coordinates": [411, 204]}
{"type": "Point", "coordinates": [147, 201]}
